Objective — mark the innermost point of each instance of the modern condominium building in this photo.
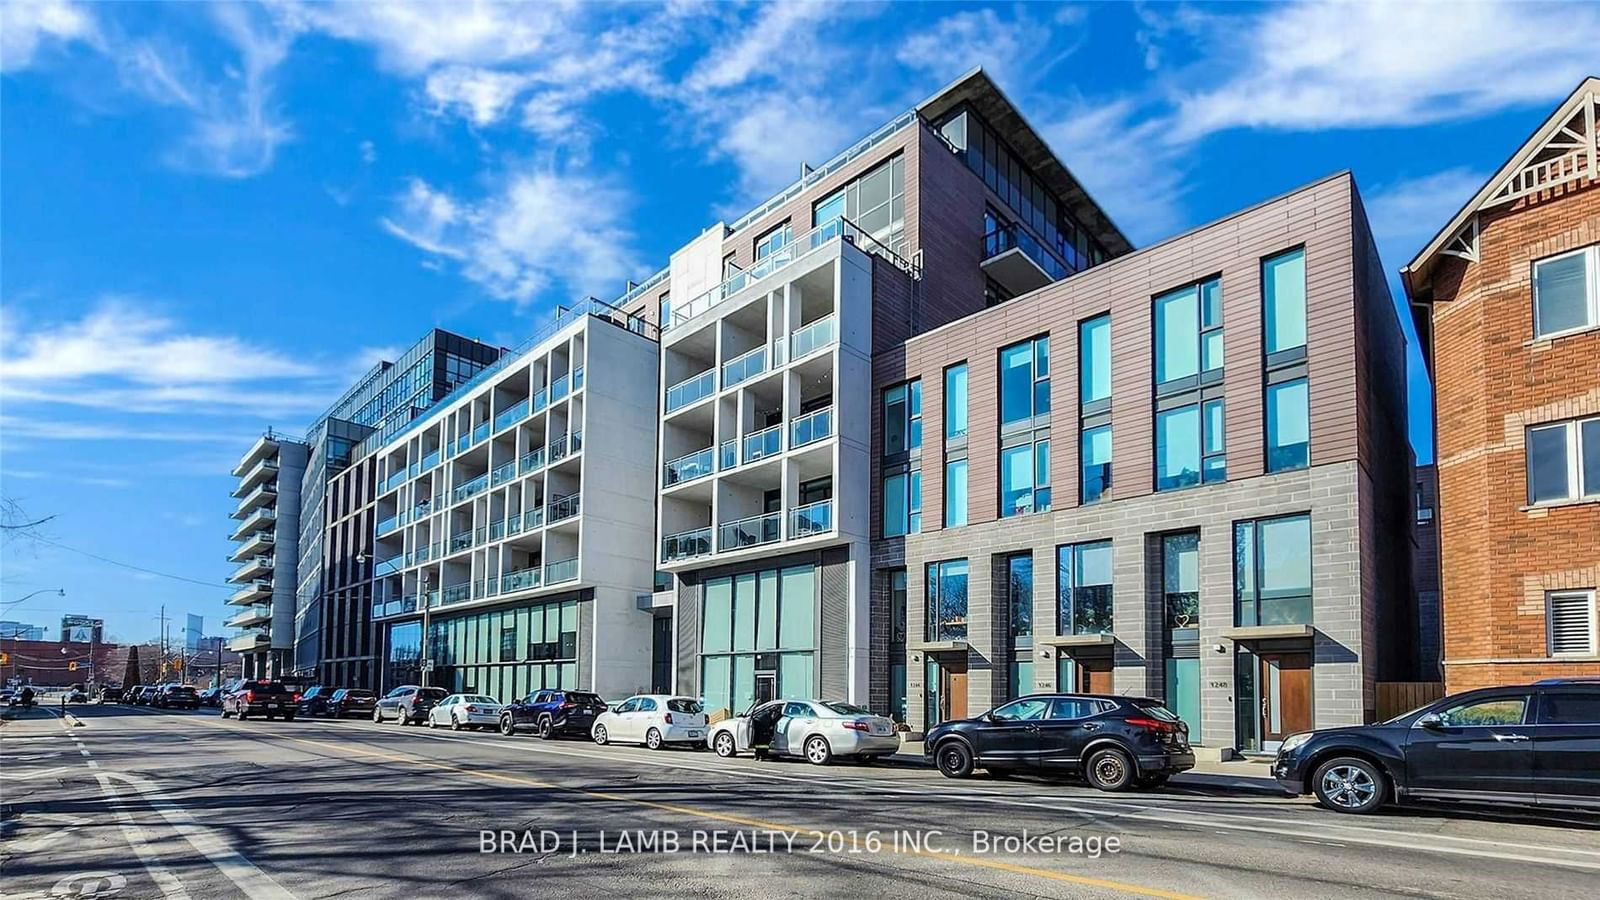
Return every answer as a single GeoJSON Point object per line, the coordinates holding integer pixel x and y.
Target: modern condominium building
{"type": "Point", "coordinates": [513, 529]}
{"type": "Point", "coordinates": [268, 516]}
{"type": "Point", "coordinates": [1506, 298]}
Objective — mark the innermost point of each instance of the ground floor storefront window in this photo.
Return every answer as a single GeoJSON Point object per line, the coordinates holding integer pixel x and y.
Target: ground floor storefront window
{"type": "Point", "coordinates": [758, 638]}
{"type": "Point", "coordinates": [504, 653]}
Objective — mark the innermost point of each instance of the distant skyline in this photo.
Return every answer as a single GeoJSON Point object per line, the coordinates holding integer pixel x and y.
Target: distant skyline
{"type": "Point", "coordinates": [218, 215]}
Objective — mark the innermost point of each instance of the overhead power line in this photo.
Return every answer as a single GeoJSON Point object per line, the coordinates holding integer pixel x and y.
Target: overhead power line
{"type": "Point", "coordinates": [114, 562]}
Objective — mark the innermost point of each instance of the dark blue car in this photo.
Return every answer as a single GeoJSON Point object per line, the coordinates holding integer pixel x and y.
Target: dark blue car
{"type": "Point", "coordinates": [551, 713]}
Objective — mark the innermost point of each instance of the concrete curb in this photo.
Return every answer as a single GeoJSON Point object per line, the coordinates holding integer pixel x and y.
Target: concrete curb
{"type": "Point", "coordinates": [76, 722]}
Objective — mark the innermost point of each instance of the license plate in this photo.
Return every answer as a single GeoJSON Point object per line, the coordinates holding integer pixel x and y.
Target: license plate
{"type": "Point", "coordinates": [694, 734]}
{"type": "Point", "coordinates": [272, 706]}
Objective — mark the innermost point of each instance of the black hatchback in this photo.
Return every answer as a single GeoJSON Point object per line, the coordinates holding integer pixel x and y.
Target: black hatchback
{"type": "Point", "coordinates": [1114, 742]}
{"type": "Point", "coordinates": [1533, 744]}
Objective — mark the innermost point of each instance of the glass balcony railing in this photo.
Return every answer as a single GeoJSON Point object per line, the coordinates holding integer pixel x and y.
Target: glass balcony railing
{"type": "Point", "coordinates": [533, 518]}
{"type": "Point", "coordinates": [813, 518]}
{"type": "Point", "coordinates": [431, 460]}
{"type": "Point", "coordinates": [812, 427]}
{"type": "Point", "coordinates": [750, 532]}
{"type": "Point", "coordinates": [1010, 237]}
{"type": "Point", "coordinates": [691, 390]}
{"type": "Point", "coordinates": [531, 460]}
{"type": "Point", "coordinates": [387, 525]}
{"type": "Point", "coordinates": [413, 470]}
{"type": "Point", "coordinates": [541, 399]}
{"type": "Point", "coordinates": [395, 479]}
{"type": "Point", "coordinates": [561, 570]}
{"type": "Point", "coordinates": [577, 379]}
{"type": "Point", "coordinates": [389, 566]}
{"type": "Point", "coordinates": [497, 530]}
{"type": "Point", "coordinates": [488, 587]}
{"type": "Point", "coordinates": [745, 366]}
{"type": "Point", "coordinates": [564, 507]}
{"type": "Point", "coordinates": [480, 534]}
{"type": "Point", "coordinates": [577, 441]}
{"type": "Point", "coordinates": [503, 474]}
{"type": "Point", "coordinates": [521, 580]}
{"type": "Point", "coordinates": [455, 593]}
{"type": "Point", "coordinates": [471, 488]}
{"type": "Point", "coordinates": [459, 542]}
{"type": "Point", "coordinates": [513, 525]}
{"type": "Point", "coordinates": [686, 544]}
{"type": "Point", "coordinates": [689, 467]}
{"type": "Point", "coordinates": [481, 433]}
{"type": "Point", "coordinates": [559, 388]}
{"type": "Point", "coordinates": [511, 416]}
{"type": "Point", "coordinates": [557, 449]}
{"type": "Point", "coordinates": [420, 510]}
{"type": "Point", "coordinates": [423, 554]}
{"type": "Point", "coordinates": [812, 337]}
{"type": "Point", "coordinates": [728, 456]}
{"type": "Point", "coordinates": [764, 443]}
{"type": "Point", "coordinates": [432, 599]}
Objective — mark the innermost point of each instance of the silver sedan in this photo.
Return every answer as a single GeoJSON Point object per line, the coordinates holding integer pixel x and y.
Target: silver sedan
{"type": "Point", "coordinates": [817, 730]}
{"type": "Point", "coordinates": [465, 711]}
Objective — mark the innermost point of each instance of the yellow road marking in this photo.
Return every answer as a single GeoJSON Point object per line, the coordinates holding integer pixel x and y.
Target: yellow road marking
{"type": "Point", "coordinates": [732, 819]}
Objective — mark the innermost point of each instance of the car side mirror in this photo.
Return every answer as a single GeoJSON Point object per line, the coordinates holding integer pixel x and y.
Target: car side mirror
{"type": "Point", "coordinates": [1431, 720]}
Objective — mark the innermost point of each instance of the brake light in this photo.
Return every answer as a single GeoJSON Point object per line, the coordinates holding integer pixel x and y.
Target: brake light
{"type": "Point", "coordinates": [857, 726]}
{"type": "Point", "coordinates": [669, 718]}
{"type": "Point", "coordinates": [567, 704]}
{"type": "Point", "coordinates": [249, 696]}
{"type": "Point", "coordinates": [297, 698]}
{"type": "Point", "coordinates": [471, 708]}
{"type": "Point", "coordinates": [1154, 725]}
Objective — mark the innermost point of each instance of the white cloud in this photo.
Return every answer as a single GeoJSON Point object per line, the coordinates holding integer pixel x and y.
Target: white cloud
{"type": "Point", "coordinates": [27, 24]}
{"type": "Point", "coordinates": [1114, 150]}
{"type": "Point", "coordinates": [1406, 214]}
{"type": "Point", "coordinates": [481, 95]}
{"type": "Point", "coordinates": [414, 37]}
{"type": "Point", "coordinates": [14, 426]}
{"type": "Point", "coordinates": [539, 226]}
{"type": "Point", "coordinates": [1016, 52]}
{"type": "Point", "coordinates": [1316, 66]}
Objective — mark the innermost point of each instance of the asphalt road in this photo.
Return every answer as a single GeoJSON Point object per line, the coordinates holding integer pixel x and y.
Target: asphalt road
{"type": "Point", "coordinates": [145, 803]}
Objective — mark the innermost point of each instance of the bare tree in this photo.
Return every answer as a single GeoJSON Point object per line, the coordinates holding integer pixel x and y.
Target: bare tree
{"type": "Point", "coordinates": [16, 523]}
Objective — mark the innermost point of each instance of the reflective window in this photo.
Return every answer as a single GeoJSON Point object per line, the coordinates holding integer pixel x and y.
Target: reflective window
{"type": "Point", "coordinates": [902, 418]}
{"type": "Point", "coordinates": [1083, 588]}
{"type": "Point", "coordinates": [1025, 381]}
{"type": "Point", "coordinates": [1564, 461]}
{"type": "Point", "coordinates": [1288, 425]}
{"type": "Point", "coordinates": [1023, 710]}
{"type": "Point", "coordinates": [1019, 591]}
{"type": "Point", "coordinates": [1178, 448]}
{"type": "Point", "coordinates": [1180, 580]}
{"type": "Point", "coordinates": [947, 601]}
{"type": "Point", "coordinates": [955, 493]}
{"type": "Point", "coordinates": [1025, 479]}
{"type": "Point", "coordinates": [902, 503]}
{"type": "Point", "coordinates": [774, 240]}
{"type": "Point", "coordinates": [955, 401]}
{"type": "Point", "coordinates": [1095, 461]}
{"type": "Point", "coordinates": [1503, 711]}
{"type": "Point", "coordinates": [1283, 285]}
{"type": "Point", "coordinates": [1272, 571]}
{"type": "Point", "coordinates": [1565, 295]}
{"type": "Point", "coordinates": [1094, 359]}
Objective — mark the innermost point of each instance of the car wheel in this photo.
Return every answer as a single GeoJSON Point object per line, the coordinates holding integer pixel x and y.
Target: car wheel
{"type": "Point", "coordinates": [724, 745]}
{"type": "Point", "coordinates": [547, 729]}
{"type": "Point", "coordinates": [506, 728]}
{"type": "Point", "coordinates": [1109, 770]}
{"type": "Point", "coordinates": [652, 739]}
{"type": "Point", "coordinates": [241, 715]}
{"type": "Point", "coordinates": [600, 735]}
{"type": "Point", "coordinates": [455, 723]}
{"type": "Point", "coordinates": [431, 722]}
{"type": "Point", "coordinates": [226, 714]}
{"type": "Point", "coordinates": [818, 753]}
{"type": "Point", "coordinates": [1349, 785]}
{"type": "Point", "coordinates": [401, 717]}
{"type": "Point", "coordinates": [377, 717]}
{"type": "Point", "coordinates": [954, 759]}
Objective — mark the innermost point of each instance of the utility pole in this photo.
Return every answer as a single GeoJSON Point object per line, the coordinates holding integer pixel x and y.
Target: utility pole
{"type": "Point", "coordinates": [161, 664]}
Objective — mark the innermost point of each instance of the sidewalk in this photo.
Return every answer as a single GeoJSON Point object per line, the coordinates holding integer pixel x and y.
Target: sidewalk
{"type": "Point", "coordinates": [1234, 775]}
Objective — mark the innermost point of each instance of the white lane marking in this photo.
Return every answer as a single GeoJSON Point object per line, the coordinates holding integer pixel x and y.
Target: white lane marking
{"type": "Point", "coordinates": [40, 773]}
{"type": "Point", "coordinates": [1160, 815]}
{"type": "Point", "coordinates": [171, 888]}
{"type": "Point", "coordinates": [32, 758]}
{"type": "Point", "coordinates": [255, 883]}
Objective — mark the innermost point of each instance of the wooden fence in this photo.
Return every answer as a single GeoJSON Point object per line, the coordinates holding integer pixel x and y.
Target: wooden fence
{"type": "Point", "coordinates": [1399, 697]}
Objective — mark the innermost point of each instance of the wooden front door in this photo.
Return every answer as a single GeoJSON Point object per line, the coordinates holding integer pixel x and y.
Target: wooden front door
{"type": "Point", "coordinates": [1094, 674]}
{"type": "Point", "coordinates": [1285, 680]}
{"type": "Point", "coordinates": [953, 690]}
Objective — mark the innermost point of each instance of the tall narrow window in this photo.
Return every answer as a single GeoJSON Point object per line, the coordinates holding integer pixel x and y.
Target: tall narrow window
{"type": "Point", "coordinates": [1272, 571]}
{"type": "Point", "coordinates": [1288, 425]}
{"type": "Point", "coordinates": [1188, 325]}
{"type": "Point", "coordinates": [955, 401]}
{"type": "Point", "coordinates": [1284, 294]}
{"type": "Point", "coordinates": [955, 493]}
{"type": "Point", "coordinates": [1019, 594]}
{"type": "Point", "coordinates": [1095, 461]}
{"type": "Point", "coordinates": [1178, 448]}
{"type": "Point", "coordinates": [1024, 381]}
{"type": "Point", "coordinates": [902, 418]}
{"type": "Point", "coordinates": [1025, 478]}
{"type": "Point", "coordinates": [1094, 359]}
{"type": "Point", "coordinates": [1566, 296]}
{"type": "Point", "coordinates": [897, 644]}
{"type": "Point", "coordinates": [1083, 588]}
{"type": "Point", "coordinates": [902, 502]}
{"type": "Point", "coordinates": [947, 601]}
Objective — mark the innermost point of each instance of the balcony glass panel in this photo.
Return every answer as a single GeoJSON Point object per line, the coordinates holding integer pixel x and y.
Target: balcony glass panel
{"type": "Point", "coordinates": [387, 525]}
{"type": "Point", "coordinates": [389, 566]}
{"type": "Point", "coordinates": [818, 334]}
{"type": "Point", "coordinates": [541, 399]}
{"type": "Point", "coordinates": [745, 366]}
{"type": "Point", "coordinates": [1008, 237]}
{"type": "Point", "coordinates": [750, 532]}
{"type": "Point", "coordinates": [455, 593]}
{"type": "Point", "coordinates": [431, 460]}
{"type": "Point", "coordinates": [577, 379]}
{"type": "Point", "coordinates": [533, 518]}
{"type": "Point", "coordinates": [686, 544]}
{"type": "Point", "coordinates": [728, 456]}
{"type": "Point", "coordinates": [531, 460]}
{"type": "Point", "coordinates": [564, 507]}
{"type": "Point", "coordinates": [812, 427]}
{"type": "Point", "coordinates": [813, 518]}
{"type": "Point", "coordinates": [459, 542]}
{"type": "Point", "coordinates": [691, 389]}
{"type": "Point", "coordinates": [480, 433]}
{"type": "Point", "coordinates": [561, 570]}
{"type": "Point", "coordinates": [689, 467]}
{"type": "Point", "coordinates": [511, 416]}
{"type": "Point", "coordinates": [520, 580]}
{"type": "Point", "coordinates": [471, 488]}
{"type": "Point", "coordinates": [557, 449]}
{"type": "Point", "coordinates": [766, 442]}
{"type": "Point", "coordinates": [558, 388]}
{"type": "Point", "coordinates": [505, 473]}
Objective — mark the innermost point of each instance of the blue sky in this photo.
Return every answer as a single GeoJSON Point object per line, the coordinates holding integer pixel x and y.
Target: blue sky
{"type": "Point", "coordinates": [216, 215]}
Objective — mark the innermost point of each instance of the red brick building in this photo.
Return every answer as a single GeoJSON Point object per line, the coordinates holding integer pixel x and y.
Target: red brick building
{"type": "Point", "coordinates": [58, 663]}
{"type": "Point", "coordinates": [1507, 301]}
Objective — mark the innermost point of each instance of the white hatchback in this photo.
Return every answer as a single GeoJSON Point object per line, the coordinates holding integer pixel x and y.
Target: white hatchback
{"type": "Point", "coordinates": [465, 711]}
{"type": "Point", "coordinates": [654, 720]}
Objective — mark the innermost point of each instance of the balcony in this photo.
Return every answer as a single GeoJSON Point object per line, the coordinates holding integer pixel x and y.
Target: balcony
{"type": "Point", "coordinates": [265, 495]}
{"type": "Point", "coordinates": [260, 589]}
{"type": "Point", "coordinates": [690, 466]}
{"type": "Point", "coordinates": [259, 520]}
{"type": "Point", "coordinates": [686, 544]}
{"type": "Point", "coordinates": [559, 389]}
{"type": "Point", "coordinates": [387, 525]}
{"type": "Point", "coordinates": [750, 532]}
{"type": "Point", "coordinates": [254, 614]}
{"type": "Point", "coordinates": [265, 470]}
{"type": "Point", "coordinates": [247, 643]}
{"type": "Point", "coordinates": [745, 366]}
{"type": "Point", "coordinates": [503, 474]}
{"type": "Point", "coordinates": [394, 480]}
{"type": "Point", "coordinates": [460, 542]}
{"type": "Point", "coordinates": [261, 565]}
{"type": "Point", "coordinates": [810, 428]}
{"type": "Point", "coordinates": [1018, 262]}
{"type": "Point", "coordinates": [533, 518]}
{"type": "Point", "coordinates": [456, 593]}
{"type": "Point", "coordinates": [389, 566]}
{"type": "Point", "coordinates": [812, 338]}
{"type": "Point", "coordinates": [470, 489]}
{"type": "Point", "coordinates": [764, 443]}
{"type": "Point", "coordinates": [429, 461]}
{"type": "Point", "coordinates": [561, 570]}
{"type": "Point", "coordinates": [691, 390]}
{"type": "Point", "coordinates": [564, 507]}
{"type": "Point", "coordinates": [559, 448]}
{"type": "Point", "coordinates": [258, 544]}
{"type": "Point", "coordinates": [424, 553]}
{"type": "Point", "coordinates": [265, 447]}
{"type": "Point", "coordinates": [813, 518]}
{"type": "Point", "coordinates": [421, 510]}
{"type": "Point", "coordinates": [521, 580]}
{"type": "Point", "coordinates": [531, 460]}
{"type": "Point", "coordinates": [511, 416]}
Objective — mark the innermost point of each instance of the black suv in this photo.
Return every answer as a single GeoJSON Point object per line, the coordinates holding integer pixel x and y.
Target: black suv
{"type": "Point", "coordinates": [268, 699]}
{"type": "Point", "coordinates": [176, 696]}
{"type": "Point", "coordinates": [1534, 744]}
{"type": "Point", "coordinates": [314, 702]}
{"type": "Point", "coordinates": [552, 713]}
{"type": "Point", "coordinates": [407, 704]}
{"type": "Point", "coordinates": [1114, 742]}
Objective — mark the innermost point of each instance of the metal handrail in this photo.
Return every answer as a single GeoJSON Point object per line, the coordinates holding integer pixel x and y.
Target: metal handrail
{"type": "Point", "coordinates": [686, 544]}
{"type": "Point", "coordinates": [751, 531]}
{"type": "Point", "coordinates": [811, 427]}
{"type": "Point", "coordinates": [688, 467]}
{"type": "Point", "coordinates": [763, 443]}
{"type": "Point", "coordinates": [744, 366]}
{"type": "Point", "coordinates": [692, 389]}
{"type": "Point", "coordinates": [564, 507]}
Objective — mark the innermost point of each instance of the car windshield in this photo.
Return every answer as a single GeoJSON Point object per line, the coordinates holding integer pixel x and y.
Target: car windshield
{"type": "Point", "coordinates": [434, 694]}
{"type": "Point", "coordinates": [683, 705]}
{"type": "Point", "coordinates": [847, 709]}
{"type": "Point", "coordinates": [477, 698]}
{"type": "Point", "coordinates": [1154, 708]}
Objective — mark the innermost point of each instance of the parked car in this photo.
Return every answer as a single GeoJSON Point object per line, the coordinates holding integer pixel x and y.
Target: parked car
{"type": "Point", "coordinates": [407, 704]}
{"type": "Point", "coordinates": [269, 699]}
{"type": "Point", "coordinates": [315, 701]}
{"type": "Point", "coordinates": [110, 694]}
{"type": "Point", "coordinates": [176, 696]}
{"type": "Point", "coordinates": [147, 694]}
{"type": "Point", "coordinates": [7, 695]}
{"type": "Point", "coordinates": [212, 697]}
{"type": "Point", "coordinates": [465, 711]}
{"type": "Point", "coordinates": [553, 713]}
{"type": "Point", "coordinates": [654, 720]}
{"type": "Point", "coordinates": [818, 730]}
{"type": "Point", "coordinates": [1114, 742]}
{"type": "Point", "coordinates": [1527, 745]}
{"type": "Point", "coordinates": [78, 696]}
{"type": "Point", "coordinates": [351, 702]}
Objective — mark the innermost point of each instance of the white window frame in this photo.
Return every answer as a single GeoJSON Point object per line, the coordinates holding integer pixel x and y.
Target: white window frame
{"type": "Point", "coordinates": [1577, 490]}
{"type": "Point", "coordinates": [1594, 623]}
{"type": "Point", "coordinates": [1591, 256]}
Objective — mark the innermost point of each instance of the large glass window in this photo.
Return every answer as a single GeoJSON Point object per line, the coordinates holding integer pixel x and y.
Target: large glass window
{"type": "Point", "coordinates": [1024, 381]}
{"type": "Point", "coordinates": [955, 401]}
{"type": "Point", "coordinates": [1189, 445]}
{"type": "Point", "coordinates": [902, 418]}
{"type": "Point", "coordinates": [955, 493]}
{"type": "Point", "coordinates": [1083, 588]}
{"type": "Point", "coordinates": [902, 503]}
{"type": "Point", "coordinates": [1094, 359]}
{"type": "Point", "coordinates": [1564, 461]}
{"type": "Point", "coordinates": [1272, 571]}
{"type": "Point", "coordinates": [1180, 582]}
{"type": "Point", "coordinates": [759, 617]}
{"type": "Point", "coordinates": [1283, 285]}
{"type": "Point", "coordinates": [1565, 292]}
{"type": "Point", "coordinates": [1019, 593]}
{"type": "Point", "coordinates": [947, 601]}
{"type": "Point", "coordinates": [897, 644]}
{"type": "Point", "coordinates": [1288, 425]}
{"type": "Point", "coordinates": [1025, 479]}
{"type": "Point", "coordinates": [1095, 461]}
{"type": "Point", "coordinates": [1189, 331]}
{"type": "Point", "coordinates": [774, 240]}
